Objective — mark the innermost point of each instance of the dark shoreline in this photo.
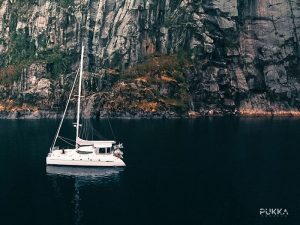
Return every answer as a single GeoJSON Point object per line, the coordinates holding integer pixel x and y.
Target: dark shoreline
{"type": "Point", "coordinates": [45, 114]}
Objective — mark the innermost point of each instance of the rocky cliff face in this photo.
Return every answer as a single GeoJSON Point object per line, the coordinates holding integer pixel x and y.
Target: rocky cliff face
{"type": "Point", "coordinates": [150, 57]}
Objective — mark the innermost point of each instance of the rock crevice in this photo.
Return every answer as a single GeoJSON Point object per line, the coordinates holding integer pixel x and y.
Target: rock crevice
{"type": "Point", "coordinates": [150, 57]}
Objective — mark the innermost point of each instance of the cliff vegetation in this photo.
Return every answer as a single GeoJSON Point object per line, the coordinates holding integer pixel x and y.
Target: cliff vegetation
{"type": "Point", "coordinates": [151, 58]}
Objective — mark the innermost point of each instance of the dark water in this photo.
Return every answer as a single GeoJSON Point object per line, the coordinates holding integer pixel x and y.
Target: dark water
{"type": "Point", "coordinates": [207, 171]}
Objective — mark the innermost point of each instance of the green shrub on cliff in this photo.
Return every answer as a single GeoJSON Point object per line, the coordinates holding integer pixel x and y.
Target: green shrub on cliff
{"type": "Point", "coordinates": [9, 74]}
{"type": "Point", "coordinates": [156, 65]}
{"type": "Point", "coordinates": [21, 47]}
{"type": "Point", "coordinates": [66, 3]}
{"type": "Point", "coordinates": [117, 60]}
{"type": "Point", "coordinates": [21, 52]}
{"type": "Point", "coordinates": [57, 62]}
{"type": "Point", "coordinates": [159, 77]}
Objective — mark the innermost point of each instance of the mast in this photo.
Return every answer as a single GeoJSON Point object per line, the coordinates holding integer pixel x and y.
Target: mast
{"type": "Point", "coordinates": [79, 97]}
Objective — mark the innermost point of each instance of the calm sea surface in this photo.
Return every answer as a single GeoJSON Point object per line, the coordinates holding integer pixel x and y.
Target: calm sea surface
{"type": "Point", "coordinates": [217, 171]}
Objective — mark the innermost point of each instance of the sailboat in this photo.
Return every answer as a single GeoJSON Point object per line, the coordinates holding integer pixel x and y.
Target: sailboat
{"type": "Point", "coordinates": [87, 153]}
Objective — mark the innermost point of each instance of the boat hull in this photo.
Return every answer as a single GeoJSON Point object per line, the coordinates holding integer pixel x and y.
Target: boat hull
{"type": "Point", "coordinates": [53, 162]}
{"type": "Point", "coordinates": [72, 158]}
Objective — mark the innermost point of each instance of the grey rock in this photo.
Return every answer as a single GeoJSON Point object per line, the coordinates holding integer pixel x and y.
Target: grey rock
{"type": "Point", "coordinates": [236, 49]}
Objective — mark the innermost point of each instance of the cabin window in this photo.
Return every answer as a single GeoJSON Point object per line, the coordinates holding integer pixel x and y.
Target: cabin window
{"type": "Point", "coordinates": [102, 150]}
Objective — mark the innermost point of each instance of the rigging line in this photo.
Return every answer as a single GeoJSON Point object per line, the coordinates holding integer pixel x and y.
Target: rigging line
{"type": "Point", "coordinates": [97, 134]}
{"type": "Point", "coordinates": [66, 141]}
{"type": "Point", "coordinates": [92, 130]}
{"type": "Point", "coordinates": [112, 131]}
{"type": "Point", "coordinates": [64, 114]}
{"type": "Point", "coordinates": [67, 138]}
{"type": "Point", "coordinates": [61, 138]}
{"type": "Point", "coordinates": [89, 130]}
{"type": "Point", "coordinates": [81, 130]}
{"type": "Point", "coordinates": [84, 129]}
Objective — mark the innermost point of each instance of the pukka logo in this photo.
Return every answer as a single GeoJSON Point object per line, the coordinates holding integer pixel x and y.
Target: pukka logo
{"type": "Point", "coordinates": [273, 212]}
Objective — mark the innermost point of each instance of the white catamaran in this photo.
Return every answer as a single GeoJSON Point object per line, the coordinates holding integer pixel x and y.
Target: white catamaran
{"type": "Point", "coordinates": [87, 152]}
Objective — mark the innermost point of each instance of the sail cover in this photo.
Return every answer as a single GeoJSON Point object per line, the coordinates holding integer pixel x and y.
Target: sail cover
{"type": "Point", "coordinates": [96, 144]}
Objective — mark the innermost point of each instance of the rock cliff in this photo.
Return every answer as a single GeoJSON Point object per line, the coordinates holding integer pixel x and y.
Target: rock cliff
{"type": "Point", "coordinates": [151, 58]}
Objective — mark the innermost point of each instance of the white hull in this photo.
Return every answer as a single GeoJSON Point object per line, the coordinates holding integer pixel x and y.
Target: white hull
{"type": "Point", "coordinates": [71, 158]}
{"type": "Point", "coordinates": [83, 163]}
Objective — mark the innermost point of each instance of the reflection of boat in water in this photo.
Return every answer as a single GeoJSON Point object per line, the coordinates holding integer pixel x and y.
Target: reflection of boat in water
{"type": "Point", "coordinates": [85, 180]}
{"type": "Point", "coordinates": [84, 171]}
